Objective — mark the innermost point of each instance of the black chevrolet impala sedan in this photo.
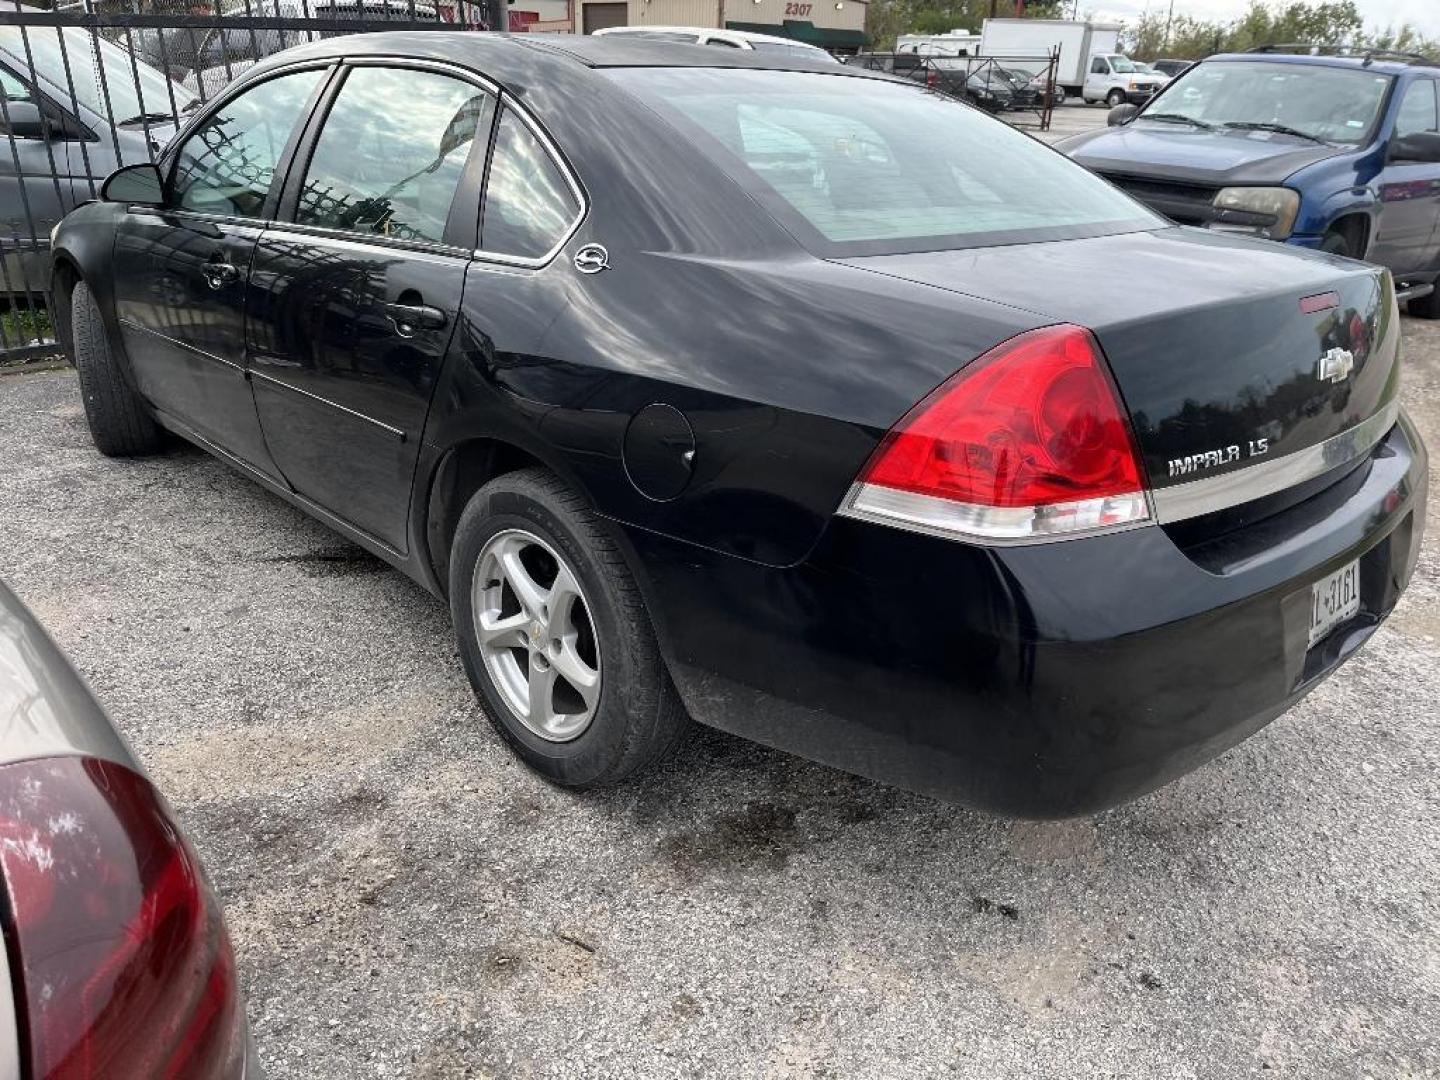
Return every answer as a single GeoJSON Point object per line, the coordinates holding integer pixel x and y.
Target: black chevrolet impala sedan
{"type": "Point", "coordinates": [721, 386]}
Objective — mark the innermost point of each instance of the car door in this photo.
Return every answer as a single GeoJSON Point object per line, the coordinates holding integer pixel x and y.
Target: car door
{"type": "Point", "coordinates": [1097, 79]}
{"type": "Point", "coordinates": [33, 191]}
{"type": "Point", "coordinates": [1406, 233]}
{"type": "Point", "coordinates": [181, 269]}
{"type": "Point", "coordinates": [355, 290]}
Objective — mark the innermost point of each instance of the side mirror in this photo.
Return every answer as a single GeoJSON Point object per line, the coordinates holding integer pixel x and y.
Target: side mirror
{"type": "Point", "coordinates": [135, 184]}
{"type": "Point", "coordinates": [26, 120]}
{"type": "Point", "coordinates": [1121, 115]}
{"type": "Point", "coordinates": [1422, 146]}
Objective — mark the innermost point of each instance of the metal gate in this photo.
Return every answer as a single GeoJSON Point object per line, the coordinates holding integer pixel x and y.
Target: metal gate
{"type": "Point", "coordinates": [1010, 86]}
{"type": "Point", "coordinates": [86, 88]}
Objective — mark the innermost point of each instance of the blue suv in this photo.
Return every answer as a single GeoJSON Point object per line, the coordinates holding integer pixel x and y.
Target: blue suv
{"type": "Point", "coordinates": [1335, 152]}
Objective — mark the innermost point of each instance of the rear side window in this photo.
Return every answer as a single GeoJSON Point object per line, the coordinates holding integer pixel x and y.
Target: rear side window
{"type": "Point", "coordinates": [529, 206]}
{"type": "Point", "coordinates": [227, 164]}
{"type": "Point", "coordinates": [392, 152]}
{"type": "Point", "coordinates": [855, 166]}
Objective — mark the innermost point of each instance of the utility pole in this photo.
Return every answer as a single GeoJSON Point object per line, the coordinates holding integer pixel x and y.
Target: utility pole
{"type": "Point", "coordinates": [1168, 20]}
{"type": "Point", "coordinates": [496, 17]}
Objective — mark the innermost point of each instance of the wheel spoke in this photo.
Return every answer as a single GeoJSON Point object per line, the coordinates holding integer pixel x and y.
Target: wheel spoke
{"type": "Point", "coordinates": [526, 589]}
{"type": "Point", "coordinates": [563, 591]}
{"type": "Point", "coordinates": [542, 688]}
{"type": "Point", "coordinates": [580, 675]}
{"type": "Point", "coordinates": [506, 633]}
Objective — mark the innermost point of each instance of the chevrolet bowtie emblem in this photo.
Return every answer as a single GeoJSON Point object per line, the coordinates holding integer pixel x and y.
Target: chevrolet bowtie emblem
{"type": "Point", "coordinates": [1335, 366]}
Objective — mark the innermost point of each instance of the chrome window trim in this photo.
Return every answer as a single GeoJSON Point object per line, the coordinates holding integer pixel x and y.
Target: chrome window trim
{"type": "Point", "coordinates": [440, 66]}
{"type": "Point", "coordinates": [508, 102]}
{"type": "Point", "coordinates": [326, 232]}
{"type": "Point", "coordinates": [1196, 498]}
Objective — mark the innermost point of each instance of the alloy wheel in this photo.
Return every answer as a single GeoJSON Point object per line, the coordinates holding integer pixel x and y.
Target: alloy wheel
{"type": "Point", "coordinates": [536, 636]}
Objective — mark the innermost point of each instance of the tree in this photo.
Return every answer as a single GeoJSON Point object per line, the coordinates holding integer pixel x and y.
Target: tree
{"type": "Point", "coordinates": [1321, 22]}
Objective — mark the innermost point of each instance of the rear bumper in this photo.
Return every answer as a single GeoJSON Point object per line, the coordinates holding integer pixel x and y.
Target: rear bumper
{"type": "Point", "coordinates": [1037, 681]}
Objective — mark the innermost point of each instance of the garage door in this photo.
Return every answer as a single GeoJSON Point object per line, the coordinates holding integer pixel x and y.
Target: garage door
{"type": "Point", "coordinates": [599, 16]}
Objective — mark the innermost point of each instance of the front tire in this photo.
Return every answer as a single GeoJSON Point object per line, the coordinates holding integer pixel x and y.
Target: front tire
{"type": "Point", "coordinates": [119, 423]}
{"type": "Point", "coordinates": [1427, 307]}
{"type": "Point", "coordinates": [1114, 98]}
{"type": "Point", "coordinates": [555, 637]}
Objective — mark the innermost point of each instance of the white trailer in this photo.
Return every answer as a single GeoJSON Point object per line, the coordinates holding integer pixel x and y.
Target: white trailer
{"type": "Point", "coordinates": [950, 43]}
{"type": "Point", "coordinates": [1020, 39]}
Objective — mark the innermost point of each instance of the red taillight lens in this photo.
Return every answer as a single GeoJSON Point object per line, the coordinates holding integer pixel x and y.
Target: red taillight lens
{"type": "Point", "coordinates": [932, 79]}
{"type": "Point", "coordinates": [127, 970]}
{"type": "Point", "coordinates": [1028, 441]}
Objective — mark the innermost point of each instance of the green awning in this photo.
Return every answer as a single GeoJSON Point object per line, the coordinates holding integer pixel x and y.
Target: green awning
{"type": "Point", "coordinates": [807, 32]}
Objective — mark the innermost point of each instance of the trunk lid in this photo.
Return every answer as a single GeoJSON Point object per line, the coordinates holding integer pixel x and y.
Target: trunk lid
{"type": "Point", "coordinates": [1228, 353]}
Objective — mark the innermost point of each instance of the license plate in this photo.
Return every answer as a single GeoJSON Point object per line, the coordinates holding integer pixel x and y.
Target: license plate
{"type": "Point", "coordinates": [1334, 599]}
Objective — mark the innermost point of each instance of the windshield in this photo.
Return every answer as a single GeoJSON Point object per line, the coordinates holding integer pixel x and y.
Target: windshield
{"type": "Point", "coordinates": [97, 67]}
{"type": "Point", "coordinates": [1335, 104]}
{"type": "Point", "coordinates": [1122, 65]}
{"type": "Point", "coordinates": [855, 166]}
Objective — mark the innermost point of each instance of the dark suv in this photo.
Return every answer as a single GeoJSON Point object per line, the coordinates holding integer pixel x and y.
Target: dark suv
{"type": "Point", "coordinates": [1336, 152]}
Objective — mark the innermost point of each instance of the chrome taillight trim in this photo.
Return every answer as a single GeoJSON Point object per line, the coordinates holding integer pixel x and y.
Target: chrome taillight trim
{"type": "Point", "coordinates": [1195, 498]}
{"type": "Point", "coordinates": [991, 525]}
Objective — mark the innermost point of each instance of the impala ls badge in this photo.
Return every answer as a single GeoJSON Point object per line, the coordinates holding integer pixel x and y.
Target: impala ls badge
{"type": "Point", "coordinates": [592, 258]}
{"type": "Point", "coordinates": [1335, 366]}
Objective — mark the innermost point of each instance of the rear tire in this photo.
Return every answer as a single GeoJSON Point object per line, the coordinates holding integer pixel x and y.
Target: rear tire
{"type": "Point", "coordinates": [533, 519]}
{"type": "Point", "coordinates": [119, 423]}
{"type": "Point", "coordinates": [1337, 243]}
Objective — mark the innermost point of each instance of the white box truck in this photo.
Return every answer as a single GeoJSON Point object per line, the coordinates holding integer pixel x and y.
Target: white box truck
{"type": "Point", "coordinates": [1019, 39]}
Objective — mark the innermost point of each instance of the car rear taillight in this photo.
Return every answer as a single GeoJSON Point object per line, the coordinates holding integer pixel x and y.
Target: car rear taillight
{"type": "Point", "coordinates": [1030, 441]}
{"type": "Point", "coordinates": [932, 79]}
{"type": "Point", "coordinates": [125, 966]}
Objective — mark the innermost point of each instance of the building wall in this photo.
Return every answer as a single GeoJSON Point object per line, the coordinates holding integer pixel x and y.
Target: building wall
{"type": "Point", "coordinates": [850, 15]}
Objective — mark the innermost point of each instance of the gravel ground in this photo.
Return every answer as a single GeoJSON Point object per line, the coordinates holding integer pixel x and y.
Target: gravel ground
{"type": "Point", "coordinates": [408, 901]}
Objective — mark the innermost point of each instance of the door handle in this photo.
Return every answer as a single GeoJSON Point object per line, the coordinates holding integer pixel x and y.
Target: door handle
{"type": "Point", "coordinates": [407, 318]}
{"type": "Point", "coordinates": [219, 274]}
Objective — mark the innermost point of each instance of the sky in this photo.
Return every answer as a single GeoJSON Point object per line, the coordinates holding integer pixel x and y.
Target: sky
{"type": "Point", "coordinates": [1424, 15]}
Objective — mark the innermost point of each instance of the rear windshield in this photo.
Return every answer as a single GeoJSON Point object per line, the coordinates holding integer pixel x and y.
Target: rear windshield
{"type": "Point", "coordinates": [856, 166]}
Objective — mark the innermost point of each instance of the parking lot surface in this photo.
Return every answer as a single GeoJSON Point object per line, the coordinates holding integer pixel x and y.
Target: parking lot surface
{"type": "Point", "coordinates": [408, 901]}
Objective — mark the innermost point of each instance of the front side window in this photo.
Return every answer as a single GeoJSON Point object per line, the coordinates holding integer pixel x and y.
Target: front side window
{"type": "Point", "coordinates": [227, 165]}
{"type": "Point", "coordinates": [528, 205]}
{"type": "Point", "coordinates": [856, 166]}
{"type": "Point", "coordinates": [12, 88]}
{"type": "Point", "coordinates": [392, 152]}
{"type": "Point", "coordinates": [1099, 67]}
{"type": "Point", "coordinates": [1417, 110]}
{"type": "Point", "coordinates": [1320, 102]}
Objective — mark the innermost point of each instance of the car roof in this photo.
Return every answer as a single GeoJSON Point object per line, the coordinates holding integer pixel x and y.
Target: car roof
{"type": "Point", "coordinates": [517, 55]}
{"type": "Point", "coordinates": [1355, 63]}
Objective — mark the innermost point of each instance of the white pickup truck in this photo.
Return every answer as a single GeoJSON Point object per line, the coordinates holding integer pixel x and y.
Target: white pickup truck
{"type": "Point", "coordinates": [1114, 79]}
